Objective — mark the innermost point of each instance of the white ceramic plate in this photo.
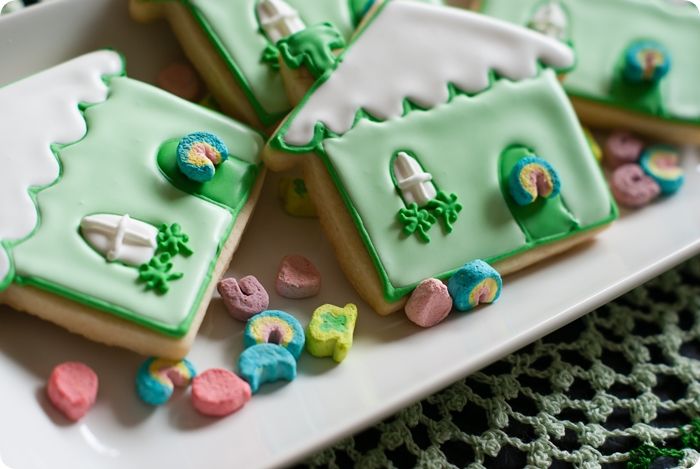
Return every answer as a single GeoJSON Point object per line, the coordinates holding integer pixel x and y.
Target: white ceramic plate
{"type": "Point", "coordinates": [391, 365]}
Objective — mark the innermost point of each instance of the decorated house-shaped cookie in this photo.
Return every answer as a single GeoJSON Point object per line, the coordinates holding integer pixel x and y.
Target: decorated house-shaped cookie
{"type": "Point", "coordinates": [101, 232]}
{"type": "Point", "coordinates": [450, 142]}
{"type": "Point", "coordinates": [637, 60]}
{"type": "Point", "coordinates": [233, 44]}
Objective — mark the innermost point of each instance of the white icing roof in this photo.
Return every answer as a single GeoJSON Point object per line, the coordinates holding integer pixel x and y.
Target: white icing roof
{"type": "Point", "coordinates": [37, 112]}
{"type": "Point", "coordinates": [415, 50]}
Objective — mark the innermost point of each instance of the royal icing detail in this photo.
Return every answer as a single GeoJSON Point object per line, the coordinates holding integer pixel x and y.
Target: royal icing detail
{"type": "Point", "coordinates": [312, 48]}
{"type": "Point", "coordinates": [110, 135]}
{"type": "Point", "coordinates": [157, 273]}
{"type": "Point", "coordinates": [120, 238]}
{"type": "Point", "coordinates": [30, 128]}
{"type": "Point", "coordinates": [415, 184]}
{"type": "Point", "coordinates": [278, 19]}
{"type": "Point", "coordinates": [468, 49]}
{"type": "Point", "coordinates": [420, 107]}
{"type": "Point", "coordinates": [424, 203]}
{"type": "Point", "coordinates": [550, 19]}
{"type": "Point", "coordinates": [602, 31]}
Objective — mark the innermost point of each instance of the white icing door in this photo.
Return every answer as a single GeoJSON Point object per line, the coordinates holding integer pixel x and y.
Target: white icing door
{"type": "Point", "coordinates": [415, 184]}
{"type": "Point", "coordinates": [550, 19]}
{"type": "Point", "coordinates": [278, 19]}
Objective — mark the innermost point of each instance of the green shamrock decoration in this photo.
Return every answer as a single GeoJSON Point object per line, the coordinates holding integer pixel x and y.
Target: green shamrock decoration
{"type": "Point", "coordinates": [313, 48]}
{"type": "Point", "coordinates": [447, 208]}
{"type": "Point", "coordinates": [173, 241]}
{"type": "Point", "coordinates": [416, 220]}
{"type": "Point", "coordinates": [270, 56]}
{"type": "Point", "coordinates": [156, 274]}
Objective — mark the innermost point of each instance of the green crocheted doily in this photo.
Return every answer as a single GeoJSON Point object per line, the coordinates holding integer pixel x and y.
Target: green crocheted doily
{"type": "Point", "coordinates": [618, 388]}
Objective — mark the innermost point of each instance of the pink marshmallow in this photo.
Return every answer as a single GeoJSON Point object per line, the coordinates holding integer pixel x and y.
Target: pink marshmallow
{"type": "Point", "coordinates": [429, 304]}
{"type": "Point", "coordinates": [632, 187]}
{"type": "Point", "coordinates": [72, 389]}
{"type": "Point", "coordinates": [218, 392]}
{"type": "Point", "coordinates": [181, 80]}
{"type": "Point", "coordinates": [297, 278]}
{"type": "Point", "coordinates": [243, 298]}
{"type": "Point", "coordinates": [622, 148]}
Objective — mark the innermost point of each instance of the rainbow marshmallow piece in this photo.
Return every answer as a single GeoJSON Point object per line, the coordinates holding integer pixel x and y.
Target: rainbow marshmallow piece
{"type": "Point", "coordinates": [661, 163]}
{"type": "Point", "coordinates": [646, 62]}
{"type": "Point", "coordinates": [275, 327]}
{"type": "Point", "coordinates": [157, 378]}
{"type": "Point", "coordinates": [473, 284]}
{"type": "Point", "coordinates": [198, 155]}
{"type": "Point", "coordinates": [533, 177]}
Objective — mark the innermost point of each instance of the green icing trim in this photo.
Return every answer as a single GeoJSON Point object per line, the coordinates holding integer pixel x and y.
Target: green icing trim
{"type": "Point", "coordinates": [156, 274]}
{"type": "Point", "coordinates": [312, 48]}
{"type": "Point", "coordinates": [601, 28]}
{"type": "Point", "coordinates": [360, 9]}
{"type": "Point", "coordinates": [544, 218]}
{"type": "Point", "coordinates": [416, 220]}
{"type": "Point", "coordinates": [229, 187]}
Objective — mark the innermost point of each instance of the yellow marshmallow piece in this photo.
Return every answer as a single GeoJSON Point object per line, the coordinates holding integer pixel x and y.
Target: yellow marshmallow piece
{"type": "Point", "coordinates": [330, 331]}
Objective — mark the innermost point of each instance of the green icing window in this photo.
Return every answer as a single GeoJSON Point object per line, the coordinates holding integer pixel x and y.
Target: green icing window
{"type": "Point", "coordinates": [542, 219]}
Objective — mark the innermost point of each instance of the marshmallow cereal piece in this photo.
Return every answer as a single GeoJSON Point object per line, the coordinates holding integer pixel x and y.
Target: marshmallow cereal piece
{"type": "Point", "coordinates": [198, 155]}
{"type": "Point", "coordinates": [275, 327]}
{"type": "Point", "coordinates": [243, 298]}
{"type": "Point", "coordinates": [295, 198]}
{"type": "Point", "coordinates": [330, 331]}
{"type": "Point", "coordinates": [181, 80]}
{"type": "Point", "coordinates": [218, 392]}
{"type": "Point", "coordinates": [429, 304]}
{"type": "Point", "coordinates": [72, 389]}
{"type": "Point", "coordinates": [622, 148]}
{"type": "Point", "coordinates": [157, 378]}
{"type": "Point", "coordinates": [593, 143]}
{"type": "Point", "coordinates": [473, 284]}
{"type": "Point", "coordinates": [662, 164]}
{"type": "Point", "coordinates": [266, 363]}
{"type": "Point", "coordinates": [632, 187]}
{"type": "Point", "coordinates": [297, 278]}
{"type": "Point", "coordinates": [531, 178]}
